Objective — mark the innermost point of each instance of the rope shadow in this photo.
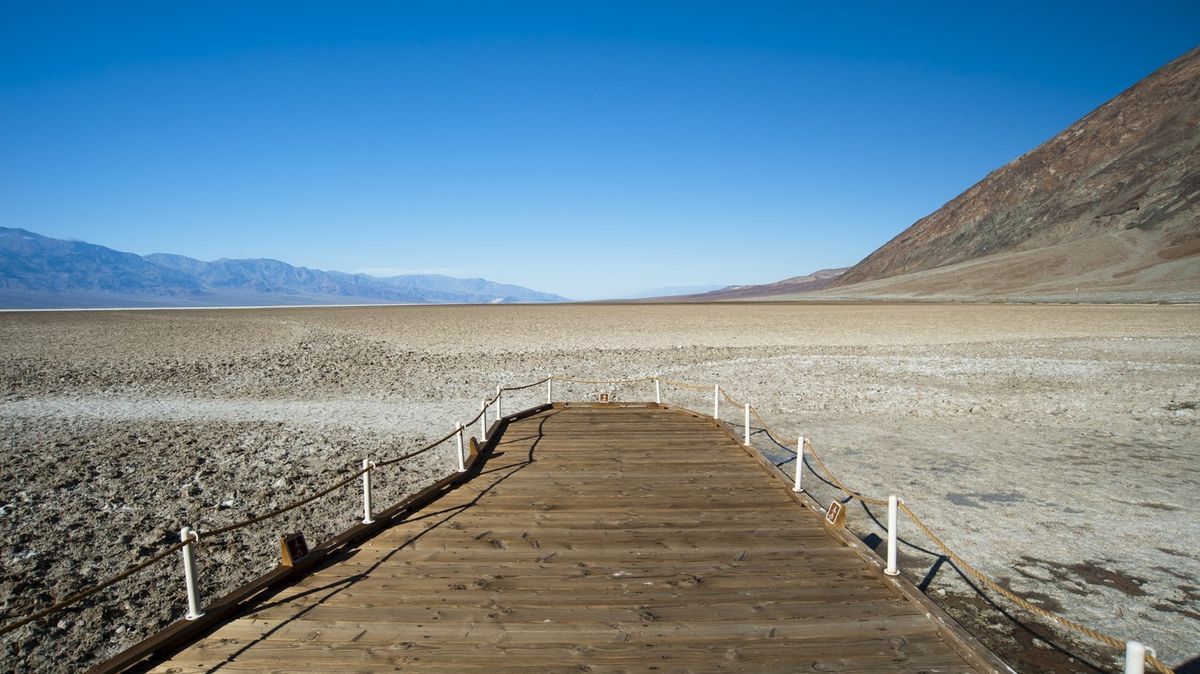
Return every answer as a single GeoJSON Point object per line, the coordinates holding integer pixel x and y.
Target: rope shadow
{"type": "Point", "coordinates": [942, 560]}
{"type": "Point", "coordinates": [939, 560]}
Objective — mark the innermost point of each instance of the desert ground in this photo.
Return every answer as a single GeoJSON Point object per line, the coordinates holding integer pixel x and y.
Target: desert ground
{"type": "Point", "coordinates": [1055, 447]}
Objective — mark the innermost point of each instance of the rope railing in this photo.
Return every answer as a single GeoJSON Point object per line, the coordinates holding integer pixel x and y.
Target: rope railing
{"type": "Point", "coordinates": [1017, 599]}
{"type": "Point", "coordinates": [810, 452]}
{"type": "Point", "coordinates": [191, 537]}
{"type": "Point", "coordinates": [85, 593]}
{"type": "Point", "coordinates": [894, 503]}
{"type": "Point", "coordinates": [520, 388]}
{"type": "Point", "coordinates": [729, 399]}
{"type": "Point", "coordinates": [1136, 654]}
{"type": "Point", "coordinates": [283, 509]}
{"type": "Point", "coordinates": [419, 452]}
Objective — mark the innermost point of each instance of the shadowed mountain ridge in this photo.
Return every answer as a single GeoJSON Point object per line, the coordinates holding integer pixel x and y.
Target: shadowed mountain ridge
{"type": "Point", "coordinates": [41, 272]}
{"type": "Point", "coordinates": [1115, 197]}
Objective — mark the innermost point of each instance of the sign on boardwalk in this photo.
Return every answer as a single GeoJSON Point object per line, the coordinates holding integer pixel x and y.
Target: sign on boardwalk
{"type": "Point", "coordinates": [835, 516]}
{"type": "Point", "coordinates": [293, 547]}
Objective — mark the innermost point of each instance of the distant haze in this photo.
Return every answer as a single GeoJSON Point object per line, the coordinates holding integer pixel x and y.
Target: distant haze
{"type": "Point", "coordinates": [669, 291]}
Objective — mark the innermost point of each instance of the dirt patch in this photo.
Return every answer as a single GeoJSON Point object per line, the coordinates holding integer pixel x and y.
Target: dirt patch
{"type": "Point", "coordinates": [1076, 578]}
{"type": "Point", "coordinates": [1025, 645]}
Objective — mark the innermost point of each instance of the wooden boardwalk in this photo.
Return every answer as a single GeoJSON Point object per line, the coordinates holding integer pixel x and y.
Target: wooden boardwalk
{"type": "Point", "coordinates": [596, 539]}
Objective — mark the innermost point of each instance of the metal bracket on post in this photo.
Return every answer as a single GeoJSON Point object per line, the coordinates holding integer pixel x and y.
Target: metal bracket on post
{"type": "Point", "coordinates": [189, 538]}
{"type": "Point", "coordinates": [462, 462]}
{"type": "Point", "coordinates": [747, 424]}
{"type": "Point", "coordinates": [799, 464]}
{"type": "Point", "coordinates": [367, 466]}
{"type": "Point", "coordinates": [891, 569]}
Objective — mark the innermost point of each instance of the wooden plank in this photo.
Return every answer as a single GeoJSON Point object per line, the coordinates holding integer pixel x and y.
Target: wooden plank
{"type": "Point", "coordinates": [405, 613]}
{"type": "Point", "coordinates": [871, 654]}
{"type": "Point", "coordinates": [604, 538]}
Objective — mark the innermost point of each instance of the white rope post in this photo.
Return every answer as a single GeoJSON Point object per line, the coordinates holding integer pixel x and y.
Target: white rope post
{"type": "Point", "coordinates": [189, 537]}
{"type": "Point", "coordinates": [462, 460]}
{"type": "Point", "coordinates": [550, 390]}
{"type": "Point", "coordinates": [799, 463]}
{"type": "Point", "coordinates": [716, 401]}
{"type": "Point", "coordinates": [747, 424]}
{"type": "Point", "coordinates": [1135, 657]}
{"type": "Point", "coordinates": [499, 409]}
{"type": "Point", "coordinates": [657, 392]}
{"type": "Point", "coordinates": [483, 421]}
{"type": "Point", "coordinates": [367, 519]}
{"type": "Point", "coordinates": [891, 569]}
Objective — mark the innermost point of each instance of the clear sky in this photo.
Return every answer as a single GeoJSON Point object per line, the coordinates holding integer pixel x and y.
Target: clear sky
{"type": "Point", "coordinates": [588, 149]}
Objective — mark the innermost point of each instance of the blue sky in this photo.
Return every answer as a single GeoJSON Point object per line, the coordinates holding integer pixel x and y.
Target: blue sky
{"type": "Point", "coordinates": [588, 149]}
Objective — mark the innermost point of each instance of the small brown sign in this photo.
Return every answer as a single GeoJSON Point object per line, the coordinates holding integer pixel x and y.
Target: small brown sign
{"type": "Point", "coordinates": [835, 516]}
{"type": "Point", "coordinates": [293, 547]}
{"type": "Point", "coordinates": [604, 397]}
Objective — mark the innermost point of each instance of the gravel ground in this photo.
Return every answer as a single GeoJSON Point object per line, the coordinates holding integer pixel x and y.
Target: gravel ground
{"type": "Point", "coordinates": [1054, 446]}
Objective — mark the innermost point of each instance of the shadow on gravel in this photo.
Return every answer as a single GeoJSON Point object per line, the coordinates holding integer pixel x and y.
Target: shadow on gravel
{"type": "Point", "coordinates": [1030, 646]}
{"type": "Point", "coordinates": [1037, 648]}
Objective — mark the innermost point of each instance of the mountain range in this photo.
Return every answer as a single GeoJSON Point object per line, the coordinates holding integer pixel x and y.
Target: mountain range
{"type": "Point", "coordinates": [40, 272]}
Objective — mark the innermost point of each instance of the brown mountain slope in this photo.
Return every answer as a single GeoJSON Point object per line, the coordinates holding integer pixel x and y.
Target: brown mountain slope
{"type": "Point", "coordinates": [1110, 207]}
{"type": "Point", "coordinates": [789, 286]}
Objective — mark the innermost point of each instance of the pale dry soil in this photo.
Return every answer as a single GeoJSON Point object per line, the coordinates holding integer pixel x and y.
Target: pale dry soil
{"type": "Point", "coordinates": [1056, 447]}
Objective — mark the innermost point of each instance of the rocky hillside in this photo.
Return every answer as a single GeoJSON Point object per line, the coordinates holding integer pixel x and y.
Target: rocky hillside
{"type": "Point", "coordinates": [1110, 205]}
{"type": "Point", "coordinates": [41, 272]}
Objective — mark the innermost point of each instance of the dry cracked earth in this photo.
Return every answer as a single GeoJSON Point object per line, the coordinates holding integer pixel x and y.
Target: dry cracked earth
{"type": "Point", "coordinates": [1055, 447]}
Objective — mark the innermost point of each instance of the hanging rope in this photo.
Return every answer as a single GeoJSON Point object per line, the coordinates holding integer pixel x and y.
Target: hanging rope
{"type": "Point", "coordinates": [810, 452]}
{"type": "Point", "coordinates": [84, 594]}
{"type": "Point", "coordinates": [521, 388]}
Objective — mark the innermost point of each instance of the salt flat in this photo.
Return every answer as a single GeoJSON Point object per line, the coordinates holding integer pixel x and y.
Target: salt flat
{"type": "Point", "coordinates": [1055, 446]}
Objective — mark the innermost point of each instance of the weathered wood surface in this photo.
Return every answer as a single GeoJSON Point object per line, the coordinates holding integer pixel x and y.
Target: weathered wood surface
{"type": "Point", "coordinates": [598, 539]}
